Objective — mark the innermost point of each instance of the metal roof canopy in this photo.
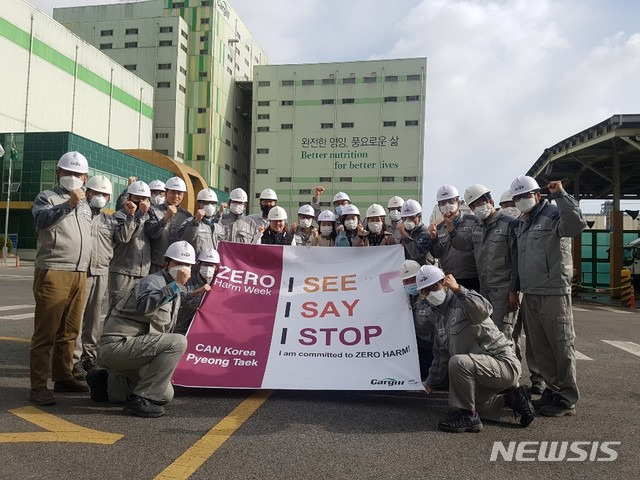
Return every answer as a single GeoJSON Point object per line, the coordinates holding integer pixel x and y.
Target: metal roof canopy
{"type": "Point", "coordinates": [586, 162]}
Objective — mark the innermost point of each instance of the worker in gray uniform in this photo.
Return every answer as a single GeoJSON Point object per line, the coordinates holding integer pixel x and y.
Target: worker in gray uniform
{"type": "Point", "coordinates": [238, 227]}
{"type": "Point", "coordinates": [132, 250]}
{"type": "Point", "coordinates": [201, 230]}
{"type": "Point", "coordinates": [166, 221]}
{"type": "Point", "coordinates": [394, 206]}
{"type": "Point", "coordinates": [545, 267]}
{"type": "Point", "coordinates": [414, 235]}
{"type": "Point", "coordinates": [138, 350]}
{"type": "Point", "coordinates": [268, 200]}
{"type": "Point", "coordinates": [483, 368]}
{"type": "Point", "coordinates": [452, 232]}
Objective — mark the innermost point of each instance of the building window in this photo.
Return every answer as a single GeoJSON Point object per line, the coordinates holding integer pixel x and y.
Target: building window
{"type": "Point", "coordinates": [229, 71]}
{"type": "Point", "coordinates": [202, 130]}
{"type": "Point", "coordinates": [165, 43]}
{"type": "Point", "coordinates": [409, 179]}
{"type": "Point", "coordinates": [308, 82]}
{"type": "Point", "coordinates": [304, 191]}
{"type": "Point", "coordinates": [263, 103]}
{"type": "Point", "coordinates": [262, 151]}
{"type": "Point", "coordinates": [348, 80]}
{"type": "Point", "coordinates": [328, 101]}
{"type": "Point", "coordinates": [237, 50]}
{"type": "Point", "coordinates": [228, 144]}
{"type": "Point", "coordinates": [262, 171]}
{"type": "Point", "coordinates": [131, 68]}
{"type": "Point", "coordinates": [184, 48]}
{"type": "Point", "coordinates": [237, 67]}
{"type": "Point", "coordinates": [263, 129]}
{"type": "Point", "coordinates": [163, 152]}
{"type": "Point", "coordinates": [391, 78]}
{"type": "Point", "coordinates": [264, 83]}
{"type": "Point", "coordinates": [413, 98]}
{"type": "Point", "coordinates": [184, 34]}
{"type": "Point", "coordinates": [235, 129]}
{"type": "Point", "coordinates": [348, 100]}
{"type": "Point", "coordinates": [286, 126]}
{"type": "Point", "coordinates": [286, 103]}
{"type": "Point", "coordinates": [287, 83]}
{"type": "Point", "coordinates": [226, 189]}
{"type": "Point", "coordinates": [204, 38]}
{"type": "Point", "coordinates": [284, 179]}
{"type": "Point", "coordinates": [206, 3]}
{"type": "Point", "coordinates": [164, 84]}
{"type": "Point", "coordinates": [263, 116]}
{"type": "Point", "coordinates": [202, 75]}
{"type": "Point", "coordinates": [202, 110]}
{"type": "Point", "coordinates": [200, 157]}
{"type": "Point", "coordinates": [106, 33]}
{"type": "Point", "coordinates": [106, 46]}
{"type": "Point", "coordinates": [388, 179]}
{"type": "Point", "coordinates": [326, 125]}
{"type": "Point", "coordinates": [346, 179]}
{"type": "Point", "coordinates": [166, 29]}
{"type": "Point", "coordinates": [227, 123]}
{"type": "Point", "coordinates": [324, 179]}
{"type": "Point", "coordinates": [346, 124]}
{"type": "Point", "coordinates": [230, 58]}
{"type": "Point", "coordinates": [178, 4]}
{"type": "Point", "coordinates": [246, 62]}
{"type": "Point", "coordinates": [180, 155]}
{"type": "Point", "coordinates": [203, 51]}
{"type": "Point", "coordinates": [413, 77]}
{"type": "Point", "coordinates": [411, 123]}
{"type": "Point", "coordinates": [389, 123]}
{"type": "Point", "coordinates": [162, 135]}
{"type": "Point", "coordinates": [235, 149]}
{"type": "Point", "coordinates": [182, 89]}
{"type": "Point", "coordinates": [130, 44]}
{"type": "Point", "coordinates": [183, 70]}
{"type": "Point", "coordinates": [246, 47]}
{"type": "Point", "coordinates": [328, 81]}
{"type": "Point", "coordinates": [325, 204]}
{"type": "Point", "coordinates": [164, 66]}
{"type": "Point", "coordinates": [370, 79]}
{"type": "Point", "coordinates": [255, 60]}
{"type": "Point", "coordinates": [131, 31]}
{"type": "Point", "coordinates": [390, 99]}
{"type": "Point", "coordinates": [204, 21]}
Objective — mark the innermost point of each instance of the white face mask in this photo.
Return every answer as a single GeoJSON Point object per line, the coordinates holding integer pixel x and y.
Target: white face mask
{"type": "Point", "coordinates": [395, 215]}
{"type": "Point", "coordinates": [209, 210]}
{"type": "Point", "coordinates": [208, 272]}
{"type": "Point", "coordinates": [326, 230]}
{"type": "Point", "coordinates": [173, 271]}
{"type": "Point", "coordinates": [98, 201]}
{"type": "Point", "coordinates": [513, 211]}
{"type": "Point", "coordinates": [350, 224]}
{"type": "Point", "coordinates": [437, 297]}
{"type": "Point", "coordinates": [526, 204]}
{"type": "Point", "coordinates": [305, 222]}
{"type": "Point", "coordinates": [483, 211]}
{"type": "Point", "coordinates": [409, 225]}
{"type": "Point", "coordinates": [70, 183]}
{"type": "Point", "coordinates": [375, 227]}
{"type": "Point", "coordinates": [448, 208]}
{"type": "Point", "coordinates": [237, 208]}
{"type": "Point", "coordinates": [157, 200]}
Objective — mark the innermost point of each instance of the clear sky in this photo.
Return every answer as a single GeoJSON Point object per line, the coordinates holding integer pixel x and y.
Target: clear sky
{"type": "Point", "coordinates": [505, 78]}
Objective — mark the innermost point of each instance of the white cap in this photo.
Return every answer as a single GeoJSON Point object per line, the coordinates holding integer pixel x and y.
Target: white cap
{"type": "Point", "coordinates": [395, 202]}
{"type": "Point", "coordinates": [327, 216]}
{"type": "Point", "coordinates": [207, 195]}
{"type": "Point", "coordinates": [182, 252]}
{"type": "Point", "coordinates": [139, 188]}
{"type": "Point", "coordinates": [268, 194]}
{"type": "Point", "coordinates": [340, 196]}
{"type": "Point", "coordinates": [410, 208]}
{"type": "Point", "coordinates": [474, 192]}
{"type": "Point", "coordinates": [99, 183]}
{"type": "Point", "coordinates": [157, 185]}
{"type": "Point", "coordinates": [445, 192]}
{"type": "Point", "coordinates": [277, 213]}
{"type": "Point", "coordinates": [238, 195]}
{"type": "Point", "coordinates": [176, 183]}
{"type": "Point", "coordinates": [506, 196]}
{"type": "Point", "coordinates": [307, 210]}
{"type": "Point", "coordinates": [410, 268]}
{"type": "Point", "coordinates": [523, 184]}
{"type": "Point", "coordinates": [74, 162]}
{"type": "Point", "coordinates": [376, 210]}
{"type": "Point", "coordinates": [428, 275]}
{"type": "Point", "coordinates": [209, 255]}
{"type": "Point", "coordinates": [350, 210]}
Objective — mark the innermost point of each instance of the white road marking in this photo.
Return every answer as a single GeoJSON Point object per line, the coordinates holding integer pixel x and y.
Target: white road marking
{"type": "Point", "coordinates": [15, 307]}
{"type": "Point", "coordinates": [630, 347]}
{"type": "Point", "coordinates": [617, 310]}
{"type": "Point", "coordinates": [21, 316]}
{"type": "Point", "coordinates": [578, 309]}
{"type": "Point", "coordinates": [582, 356]}
{"type": "Point", "coordinates": [16, 277]}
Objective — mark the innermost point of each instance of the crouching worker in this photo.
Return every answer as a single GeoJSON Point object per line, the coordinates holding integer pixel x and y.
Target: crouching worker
{"type": "Point", "coordinates": [137, 347]}
{"type": "Point", "coordinates": [483, 368]}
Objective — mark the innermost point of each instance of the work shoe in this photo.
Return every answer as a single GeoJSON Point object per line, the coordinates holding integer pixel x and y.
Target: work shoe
{"type": "Point", "coordinates": [557, 408]}
{"type": "Point", "coordinates": [68, 386]}
{"type": "Point", "coordinates": [141, 407]}
{"type": "Point", "coordinates": [547, 397]}
{"type": "Point", "coordinates": [519, 399]}
{"type": "Point", "coordinates": [458, 422]}
{"type": "Point", "coordinates": [78, 372]}
{"type": "Point", "coordinates": [42, 396]}
{"type": "Point", "coordinates": [98, 380]}
{"type": "Point", "coordinates": [89, 364]}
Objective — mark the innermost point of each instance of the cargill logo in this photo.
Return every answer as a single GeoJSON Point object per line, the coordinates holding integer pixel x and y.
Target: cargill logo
{"type": "Point", "coordinates": [577, 451]}
{"type": "Point", "coordinates": [387, 381]}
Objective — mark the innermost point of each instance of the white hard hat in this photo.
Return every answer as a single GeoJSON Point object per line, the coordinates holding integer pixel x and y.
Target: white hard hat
{"type": "Point", "coordinates": [410, 208]}
{"type": "Point", "coordinates": [268, 194]}
{"type": "Point", "coordinates": [176, 183]}
{"type": "Point", "coordinates": [410, 268]}
{"type": "Point", "coordinates": [99, 183]}
{"type": "Point", "coordinates": [139, 188]}
{"type": "Point", "coordinates": [506, 196]}
{"type": "Point", "coordinates": [157, 185]}
{"type": "Point", "coordinates": [238, 195]}
{"type": "Point", "coordinates": [207, 195]}
{"type": "Point", "coordinates": [474, 192]}
{"type": "Point", "coordinates": [523, 184]}
{"type": "Point", "coordinates": [445, 192]}
{"type": "Point", "coordinates": [277, 213]}
{"type": "Point", "coordinates": [307, 210]}
{"type": "Point", "coordinates": [340, 196]}
{"type": "Point", "coordinates": [395, 202]}
{"type": "Point", "coordinates": [326, 216]}
{"type": "Point", "coordinates": [428, 275]}
{"type": "Point", "coordinates": [209, 255]}
{"type": "Point", "coordinates": [182, 252]}
{"type": "Point", "coordinates": [350, 210]}
{"type": "Point", "coordinates": [376, 210]}
{"type": "Point", "coordinates": [74, 162]}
